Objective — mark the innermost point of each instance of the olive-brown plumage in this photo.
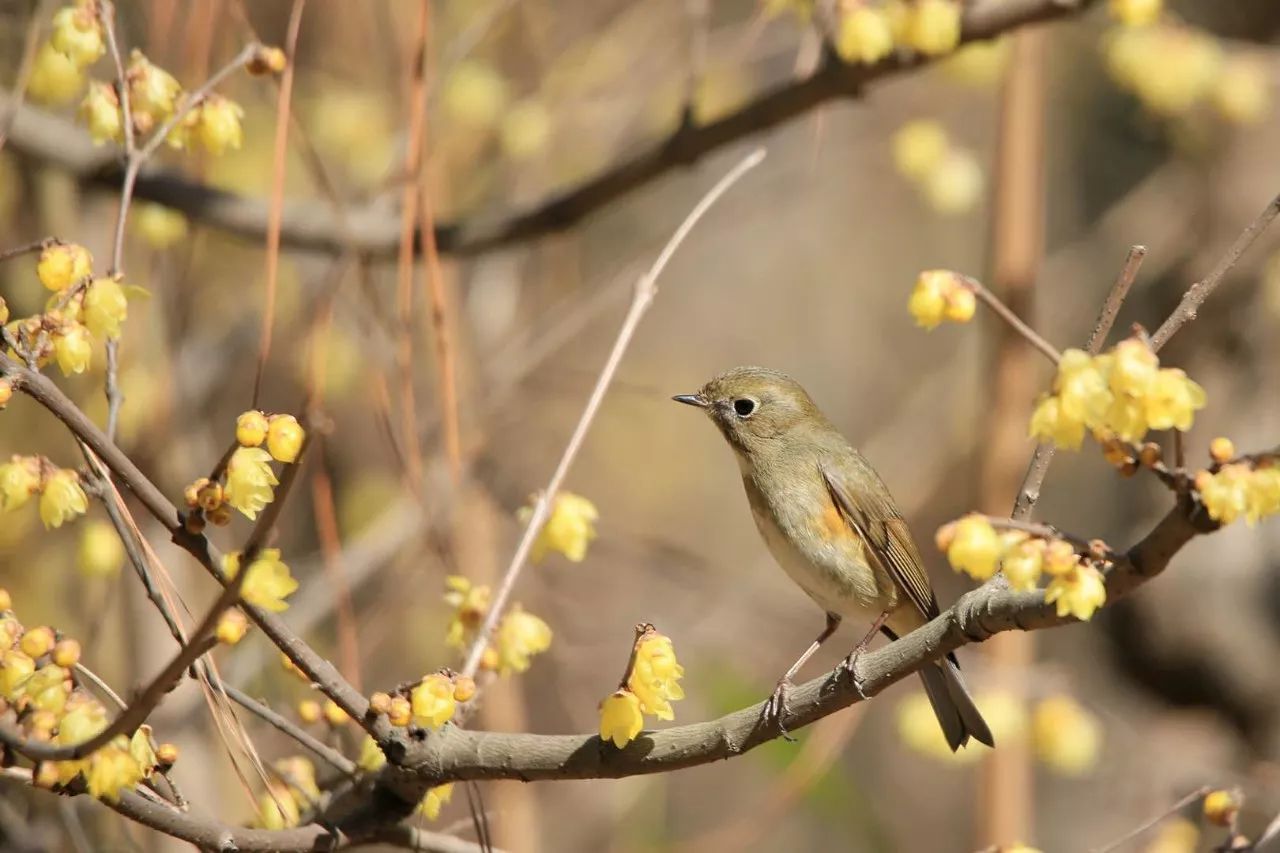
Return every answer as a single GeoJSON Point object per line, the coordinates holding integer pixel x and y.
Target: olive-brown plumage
{"type": "Point", "coordinates": [832, 525]}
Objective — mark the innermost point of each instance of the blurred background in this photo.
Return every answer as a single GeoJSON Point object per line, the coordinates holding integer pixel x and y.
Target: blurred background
{"type": "Point", "coordinates": [1063, 146]}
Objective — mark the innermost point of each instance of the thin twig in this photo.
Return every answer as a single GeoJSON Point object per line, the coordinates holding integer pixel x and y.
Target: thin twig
{"type": "Point", "coordinates": [1201, 290]}
{"type": "Point", "coordinates": [1172, 810]}
{"type": "Point", "coordinates": [279, 154]}
{"type": "Point", "coordinates": [1029, 492]}
{"type": "Point", "coordinates": [25, 248]}
{"type": "Point", "coordinates": [646, 289]}
{"type": "Point", "coordinates": [1015, 322]}
{"type": "Point", "coordinates": [283, 724]}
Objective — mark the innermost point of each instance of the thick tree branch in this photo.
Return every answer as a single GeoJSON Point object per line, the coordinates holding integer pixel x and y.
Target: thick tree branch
{"type": "Point", "coordinates": [374, 230]}
{"type": "Point", "coordinates": [456, 754]}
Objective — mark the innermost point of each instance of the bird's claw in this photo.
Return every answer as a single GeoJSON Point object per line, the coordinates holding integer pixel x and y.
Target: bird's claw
{"type": "Point", "coordinates": [849, 665]}
{"type": "Point", "coordinates": [776, 709]}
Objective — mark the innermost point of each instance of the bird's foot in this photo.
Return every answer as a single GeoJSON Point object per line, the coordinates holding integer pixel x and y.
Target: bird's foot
{"type": "Point", "coordinates": [849, 665]}
{"type": "Point", "coordinates": [776, 709]}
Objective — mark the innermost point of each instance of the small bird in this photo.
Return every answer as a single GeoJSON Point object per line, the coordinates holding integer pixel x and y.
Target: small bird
{"type": "Point", "coordinates": [832, 525]}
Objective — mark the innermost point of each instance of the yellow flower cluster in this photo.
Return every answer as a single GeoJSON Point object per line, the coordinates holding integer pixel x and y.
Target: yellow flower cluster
{"type": "Point", "coordinates": [1173, 68]}
{"type": "Point", "coordinates": [948, 177]}
{"type": "Point", "coordinates": [973, 546]}
{"type": "Point", "coordinates": [81, 309]}
{"type": "Point", "coordinates": [870, 30]}
{"type": "Point", "coordinates": [76, 41]}
{"type": "Point", "coordinates": [250, 480]}
{"type": "Point", "coordinates": [569, 529]}
{"type": "Point", "coordinates": [519, 636]}
{"type": "Point", "coordinates": [1122, 393]}
{"type": "Point", "coordinates": [941, 295]}
{"type": "Point", "coordinates": [268, 582]}
{"type": "Point", "coordinates": [651, 685]}
{"type": "Point", "coordinates": [1240, 489]}
{"type": "Point", "coordinates": [1136, 13]}
{"type": "Point", "coordinates": [61, 496]}
{"type": "Point", "coordinates": [38, 687]}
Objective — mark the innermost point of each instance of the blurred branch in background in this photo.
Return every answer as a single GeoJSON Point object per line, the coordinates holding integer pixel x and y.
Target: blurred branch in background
{"type": "Point", "coordinates": [375, 232]}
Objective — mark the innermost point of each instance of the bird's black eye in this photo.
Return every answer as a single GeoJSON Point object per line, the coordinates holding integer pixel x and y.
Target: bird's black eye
{"type": "Point", "coordinates": [744, 406]}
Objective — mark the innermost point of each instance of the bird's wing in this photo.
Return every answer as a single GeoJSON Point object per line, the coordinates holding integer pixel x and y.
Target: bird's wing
{"type": "Point", "coordinates": [874, 517]}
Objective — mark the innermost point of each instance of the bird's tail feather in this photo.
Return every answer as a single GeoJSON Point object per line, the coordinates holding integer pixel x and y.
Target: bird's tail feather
{"type": "Point", "coordinates": [953, 706]}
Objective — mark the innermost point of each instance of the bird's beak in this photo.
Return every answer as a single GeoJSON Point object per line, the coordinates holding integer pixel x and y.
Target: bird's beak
{"type": "Point", "coordinates": [692, 400]}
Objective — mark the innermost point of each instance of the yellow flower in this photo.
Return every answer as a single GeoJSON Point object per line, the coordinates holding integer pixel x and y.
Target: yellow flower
{"type": "Point", "coordinates": [142, 751]}
{"type": "Point", "coordinates": [159, 226]}
{"type": "Point", "coordinates": [15, 668]}
{"type": "Point", "coordinates": [105, 307]}
{"type": "Point", "coordinates": [285, 437]}
{"type": "Point", "coordinates": [251, 428]}
{"type": "Point", "coordinates": [1049, 423]}
{"type": "Point", "coordinates": [918, 147]}
{"type": "Point", "coordinates": [568, 530]}
{"type": "Point", "coordinates": [249, 480]}
{"type": "Point", "coordinates": [1222, 449]}
{"type": "Point", "coordinates": [940, 295]}
{"type": "Point", "coordinates": [934, 27]}
{"type": "Point", "coordinates": [1169, 68]}
{"type": "Point", "coordinates": [1263, 496]}
{"type": "Point", "coordinates": [980, 63]}
{"type": "Point", "coordinates": [1173, 400]}
{"type": "Point", "coordinates": [113, 769]}
{"type": "Point", "coordinates": [277, 808]}
{"type": "Point", "coordinates": [1060, 558]}
{"type": "Point", "coordinates": [55, 79]}
{"type": "Point", "coordinates": [100, 111]}
{"type": "Point", "coordinates": [300, 775]}
{"type": "Point", "coordinates": [655, 676]}
{"type": "Point", "coordinates": [620, 718]}
{"type": "Point", "coordinates": [975, 547]}
{"type": "Point", "coordinates": [231, 627]}
{"type": "Point", "coordinates": [918, 729]}
{"type": "Point", "coordinates": [1081, 387]}
{"type": "Point", "coordinates": [72, 348]}
{"type": "Point", "coordinates": [371, 756]}
{"type": "Point", "coordinates": [1136, 13]}
{"type": "Point", "coordinates": [153, 92]}
{"type": "Point", "coordinates": [1078, 592]}
{"type": "Point", "coordinates": [956, 185]}
{"type": "Point", "coordinates": [435, 798]}
{"type": "Point", "coordinates": [1221, 807]}
{"type": "Point", "coordinates": [1242, 93]}
{"type": "Point", "coordinates": [1067, 737]}
{"type": "Point", "coordinates": [62, 265]}
{"type": "Point", "coordinates": [474, 95]}
{"type": "Point", "coordinates": [62, 498]}
{"type": "Point", "coordinates": [1127, 418]}
{"type": "Point", "coordinates": [1225, 494]}
{"type": "Point", "coordinates": [37, 641]}
{"type": "Point", "coordinates": [66, 653]}
{"type": "Point", "coordinates": [268, 583]}
{"type": "Point", "coordinates": [218, 124]}
{"type": "Point", "coordinates": [1132, 367]}
{"type": "Point", "coordinates": [77, 34]}
{"type": "Point", "coordinates": [432, 701]}
{"type": "Point", "coordinates": [470, 604]}
{"type": "Point", "coordinates": [864, 35]}
{"type": "Point", "coordinates": [1022, 564]}
{"type": "Point", "coordinates": [520, 636]}
{"type": "Point", "coordinates": [19, 480]}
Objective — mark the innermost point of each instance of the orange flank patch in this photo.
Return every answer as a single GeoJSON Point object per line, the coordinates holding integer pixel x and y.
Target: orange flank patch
{"type": "Point", "coordinates": [831, 524]}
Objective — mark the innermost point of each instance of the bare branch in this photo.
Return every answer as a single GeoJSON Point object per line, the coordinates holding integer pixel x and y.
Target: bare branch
{"type": "Point", "coordinates": [374, 231]}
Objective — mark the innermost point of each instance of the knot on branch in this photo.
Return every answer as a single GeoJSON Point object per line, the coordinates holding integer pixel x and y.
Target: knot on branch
{"type": "Point", "coordinates": [971, 610]}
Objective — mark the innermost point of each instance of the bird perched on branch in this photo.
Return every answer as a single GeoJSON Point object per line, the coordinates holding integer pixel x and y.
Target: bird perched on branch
{"type": "Point", "coordinates": [832, 525]}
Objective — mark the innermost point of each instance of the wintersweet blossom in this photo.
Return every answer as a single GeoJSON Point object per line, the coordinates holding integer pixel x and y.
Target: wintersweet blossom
{"type": "Point", "coordinates": [250, 480]}
{"type": "Point", "coordinates": [1079, 592]}
{"type": "Point", "coordinates": [621, 718]}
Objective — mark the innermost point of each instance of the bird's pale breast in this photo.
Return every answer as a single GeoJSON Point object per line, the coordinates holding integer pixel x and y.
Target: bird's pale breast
{"type": "Point", "coordinates": [814, 545]}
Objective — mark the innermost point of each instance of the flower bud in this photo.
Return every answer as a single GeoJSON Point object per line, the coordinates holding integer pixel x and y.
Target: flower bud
{"type": "Point", "coordinates": [231, 628]}
{"type": "Point", "coordinates": [309, 711]}
{"type": "Point", "coordinates": [334, 714]}
{"type": "Point", "coordinates": [380, 703]}
{"type": "Point", "coordinates": [220, 516]}
{"type": "Point", "coordinates": [464, 687]}
{"type": "Point", "coordinates": [37, 642]}
{"type": "Point", "coordinates": [6, 392]}
{"type": "Point", "coordinates": [1221, 807]}
{"type": "Point", "coordinates": [284, 438]}
{"type": "Point", "coordinates": [251, 428]}
{"type": "Point", "coordinates": [400, 712]}
{"type": "Point", "coordinates": [66, 653]}
{"type": "Point", "coordinates": [167, 755]}
{"type": "Point", "coordinates": [1221, 449]}
{"type": "Point", "coordinates": [266, 60]}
